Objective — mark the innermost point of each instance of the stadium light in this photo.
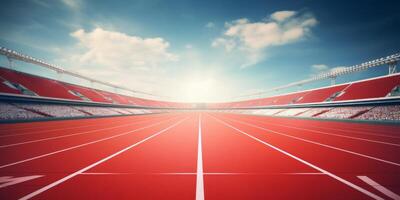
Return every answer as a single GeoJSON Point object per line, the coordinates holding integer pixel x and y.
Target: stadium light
{"type": "Point", "coordinates": [391, 60]}
{"type": "Point", "coordinates": [11, 54]}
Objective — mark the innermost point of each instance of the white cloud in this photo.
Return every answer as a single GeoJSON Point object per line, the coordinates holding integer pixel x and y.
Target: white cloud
{"type": "Point", "coordinates": [210, 25]}
{"type": "Point", "coordinates": [132, 61]}
{"type": "Point", "coordinates": [228, 44]}
{"type": "Point", "coordinates": [282, 15]}
{"type": "Point", "coordinates": [253, 38]}
{"type": "Point", "coordinates": [108, 48]}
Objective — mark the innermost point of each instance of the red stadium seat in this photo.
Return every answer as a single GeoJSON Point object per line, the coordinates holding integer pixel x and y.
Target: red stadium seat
{"type": "Point", "coordinates": [41, 86]}
{"type": "Point", "coordinates": [374, 88]}
{"type": "Point", "coordinates": [91, 94]}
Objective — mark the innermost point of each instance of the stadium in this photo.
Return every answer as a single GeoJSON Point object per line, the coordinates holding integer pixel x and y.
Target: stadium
{"type": "Point", "coordinates": [104, 130]}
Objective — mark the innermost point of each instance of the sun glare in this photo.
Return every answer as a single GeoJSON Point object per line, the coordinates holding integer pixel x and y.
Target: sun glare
{"type": "Point", "coordinates": [197, 90]}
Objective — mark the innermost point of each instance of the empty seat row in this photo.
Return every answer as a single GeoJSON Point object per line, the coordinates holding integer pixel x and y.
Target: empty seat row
{"type": "Point", "coordinates": [372, 88]}
{"type": "Point", "coordinates": [14, 82]}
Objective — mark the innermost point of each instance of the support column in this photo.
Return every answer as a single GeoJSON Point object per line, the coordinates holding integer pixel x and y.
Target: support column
{"type": "Point", "coordinates": [392, 67]}
{"type": "Point", "coordinates": [10, 62]}
{"type": "Point", "coordinates": [333, 80]}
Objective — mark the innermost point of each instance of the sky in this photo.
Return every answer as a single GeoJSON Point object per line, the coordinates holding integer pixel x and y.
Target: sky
{"type": "Point", "coordinates": [201, 51]}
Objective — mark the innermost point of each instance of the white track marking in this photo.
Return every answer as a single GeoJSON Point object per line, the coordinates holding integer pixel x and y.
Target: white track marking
{"type": "Point", "coordinates": [81, 145]}
{"type": "Point", "coordinates": [47, 187]}
{"type": "Point", "coordinates": [69, 135]}
{"type": "Point", "coordinates": [9, 180]}
{"type": "Point", "coordinates": [199, 174]}
{"type": "Point", "coordinates": [379, 187]}
{"type": "Point", "coordinates": [338, 135]}
{"type": "Point", "coordinates": [350, 184]}
{"type": "Point", "coordinates": [320, 144]}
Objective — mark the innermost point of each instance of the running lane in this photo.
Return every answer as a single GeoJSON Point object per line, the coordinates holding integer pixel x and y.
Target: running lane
{"type": "Point", "coordinates": [27, 177]}
{"type": "Point", "coordinates": [239, 167]}
{"type": "Point", "coordinates": [31, 128]}
{"type": "Point", "coordinates": [328, 125]}
{"type": "Point", "coordinates": [163, 167]}
{"type": "Point", "coordinates": [382, 147]}
{"type": "Point", "coordinates": [364, 172]}
{"type": "Point", "coordinates": [36, 147]}
{"type": "Point", "coordinates": [71, 129]}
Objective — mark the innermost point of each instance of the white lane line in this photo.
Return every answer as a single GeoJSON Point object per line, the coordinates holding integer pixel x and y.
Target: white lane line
{"type": "Point", "coordinates": [199, 176]}
{"type": "Point", "coordinates": [317, 143]}
{"type": "Point", "coordinates": [6, 181]}
{"type": "Point", "coordinates": [379, 187]}
{"type": "Point", "coordinates": [337, 135]}
{"type": "Point", "coordinates": [350, 184]}
{"type": "Point", "coordinates": [47, 187]}
{"type": "Point", "coordinates": [82, 145]}
{"type": "Point", "coordinates": [70, 135]}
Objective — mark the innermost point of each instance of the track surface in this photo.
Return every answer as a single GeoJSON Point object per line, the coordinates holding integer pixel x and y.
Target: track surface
{"type": "Point", "coordinates": [199, 156]}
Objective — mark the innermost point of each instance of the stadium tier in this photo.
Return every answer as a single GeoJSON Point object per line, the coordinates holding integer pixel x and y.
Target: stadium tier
{"type": "Point", "coordinates": [24, 85]}
{"type": "Point", "coordinates": [15, 82]}
{"type": "Point", "coordinates": [379, 87]}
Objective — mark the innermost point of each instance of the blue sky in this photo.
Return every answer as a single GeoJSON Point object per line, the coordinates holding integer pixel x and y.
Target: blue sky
{"type": "Point", "coordinates": [201, 50]}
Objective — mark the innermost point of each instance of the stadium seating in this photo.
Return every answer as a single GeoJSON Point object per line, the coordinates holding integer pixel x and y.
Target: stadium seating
{"type": "Point", "coordinates": [314, 112]}
{"type": "Point", "coordinates": [14, 82]}
{"type": "Point", "coordinates": [382, 113]}
{"type": "Point", "coordinates": [7, 87]}
{"type": "Point", "coordinates": [374, 88]}
{"type": "Point", "coordinates": [52, 110]}
{"type": "Point", "coordinates": [11, 112]}
{"type": "Point", "coordinates": [371, 88]}
{"type": "Point", "coordinates": [292, 112]}
{"type": "Point", "coordinates": [41, 86]}
{"type": "Point", "coordinates": [344, 112]}
{"type": "Point", "coordinates": [87, 92]}
{"type": "Point", "coordinates": [320, 95]}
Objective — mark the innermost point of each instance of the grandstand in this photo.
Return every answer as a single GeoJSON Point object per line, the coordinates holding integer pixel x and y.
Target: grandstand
{"type": "Point", "coordinates": [58, 136]}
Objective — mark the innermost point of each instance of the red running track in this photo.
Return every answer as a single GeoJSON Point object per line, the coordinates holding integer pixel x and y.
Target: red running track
{"type": "Point", "coordinates": [199, 156]}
